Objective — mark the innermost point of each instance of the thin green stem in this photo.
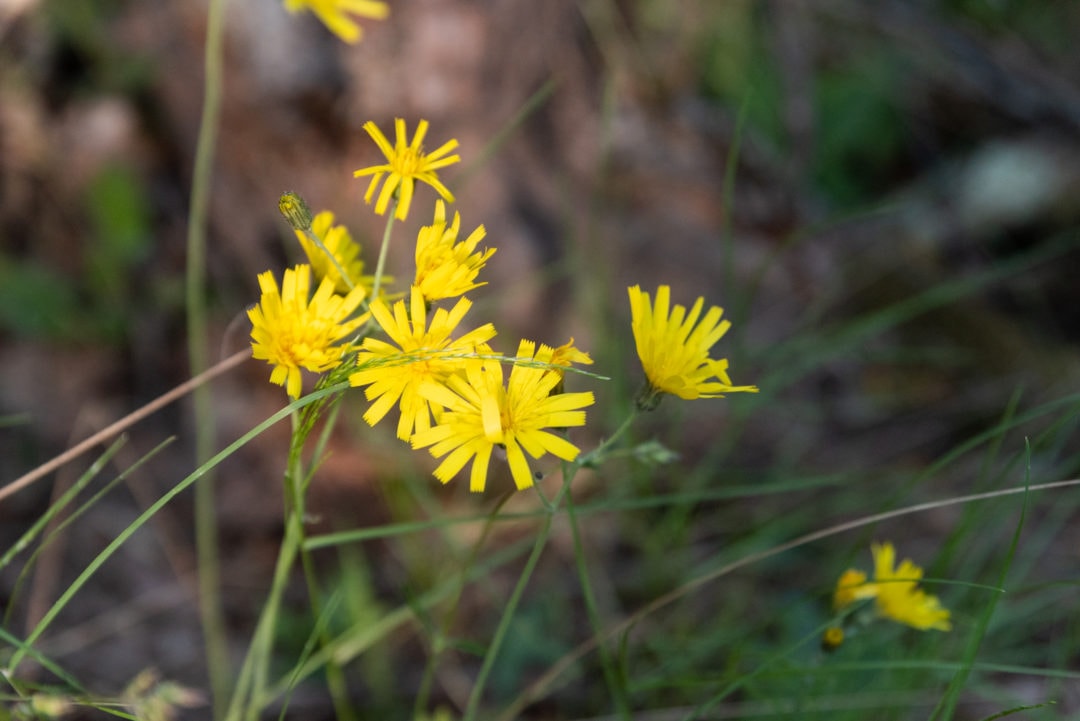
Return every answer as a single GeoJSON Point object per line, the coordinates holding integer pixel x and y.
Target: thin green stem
{"type": "Point", "coordinates": [596, 456]}
{"type": "Point", "coordinates": [206, 539]}
{"type": "Point", "coordinates": [380, 267]}
{"type": "Point", "coordinates": [262, 646]}
{"type": "Point", "coordinates": [333, 259]}
{"type": "Point", "coordinates": [420, 706]}
{"type": "Point", "coordinates": [611, 674]}
{"type": "Point", "coordinates": [511, 606]}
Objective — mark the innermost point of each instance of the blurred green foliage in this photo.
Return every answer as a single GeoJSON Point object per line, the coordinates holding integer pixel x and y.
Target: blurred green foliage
{"type": "Point", "coordinates": [861, 132]}
{"type": "Point", "coordinates": [39, 301]}
{"type": "Point", "coordinates": [120, 231]}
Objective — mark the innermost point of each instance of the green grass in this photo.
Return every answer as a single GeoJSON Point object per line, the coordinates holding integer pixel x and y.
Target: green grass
{"type": "Point", "coordinates": [684, 566]}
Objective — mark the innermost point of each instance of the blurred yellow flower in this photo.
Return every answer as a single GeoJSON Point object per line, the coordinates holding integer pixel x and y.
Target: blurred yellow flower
{"type": "Point", "coordinates": [564, 355]}
{"type": "Point", "coordinates": [852, 587]}
{"type": "Point", "coordinates": [674, 348]}
{"type": "Point", "coordinates": [481, 414]}
{"type": "Point", "coordinates": [335, 14]}
{"type": "Point", "coordinates": [898, 596]}
{"type": "Point", "coordinates": [446, 268]}
{"type": "Point", "coordinates": [405, 164]}
{"type": "Point", "coordinates": [345, 251]}
{"type": "Point", "coordinates": [291, 332]}
{"type": "Point", "coordinates": [423, 354]}
{"type": "Point", "coordinates": [895, 591]}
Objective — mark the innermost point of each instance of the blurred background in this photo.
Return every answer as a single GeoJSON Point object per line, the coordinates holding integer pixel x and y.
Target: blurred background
{"type": "Point", "coordinates": [883, 196]}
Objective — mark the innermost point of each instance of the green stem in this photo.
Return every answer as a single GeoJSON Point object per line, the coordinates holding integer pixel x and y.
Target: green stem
{"type": "Point", "coordinates": [333, 259]}
{"type": "Point", "coordinates": [262, 645]}
{"type": "Point", "coordinates": [512, 604]}
{"type": "Point", "coordinates": [381, 265]}
{"type": "Point", "coordinates": [596, 456]}
{"type": "Point", "coordinates": [427, 680]}
{"type": "Point", "coordinates": [206, 538]}
{"type": "Point", "coordinates": [611, 675]}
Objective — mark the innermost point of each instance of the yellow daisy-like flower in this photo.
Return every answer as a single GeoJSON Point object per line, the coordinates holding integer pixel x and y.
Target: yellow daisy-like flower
{"type": "Point", "coordinates": [446, 268]}
{"type": "Point", "coordinates": [895, 591]}
{"type": "Point", "coordinates": [345, 251]}
{"type": "Point", "coordinates": [674, 348]}
{"type": "Point", "coordinates": [481, 414]}
{"type": "Point", "coordinates": [335, 14]}
{"type": "Point", "coordinates": [291, 332]}
{"type": "Point", "coordinates": [423, 354]}
{"type": "Point", "coordinates": [562, 358]}
{"type": "Point", "coordinates": [564, 355]}
{"type": "Point", "coordinates": [898, 596]}
{"type": "Point", "coordinates": [405, 164]}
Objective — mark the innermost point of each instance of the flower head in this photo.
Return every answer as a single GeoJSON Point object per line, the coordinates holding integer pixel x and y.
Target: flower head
{"type": "Point", "coordinates": [895, 591]}
{"type": "Point", "coordinates": [423, 354]}
{"type": "Point", "coordinates": [344, 250]}
{"type": "Point", "coordinates": [291, 331]}
{"type": "Point", "coordinates": [674, 348]}
{"type": "Point", "coordinates": [446, 268]}
{"type": "Point", "coordinates": [898, 596]}
{"type": "Point", "coordinates": [405, 164]}
{"type": "Point", "coordinates": [852, 587]}
{"type": "Point", "coordinates": [335, 14]}
{"type": "Point", "coordinates": [563, 356]}
{"type": "Point", "coordinates": [482, 414]}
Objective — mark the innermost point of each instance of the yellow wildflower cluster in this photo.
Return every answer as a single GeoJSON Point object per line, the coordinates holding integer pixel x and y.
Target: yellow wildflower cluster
{"type": "Point", "coordinates": [895, 591]}
{"type": "Point", "coordinates": [449, 388]}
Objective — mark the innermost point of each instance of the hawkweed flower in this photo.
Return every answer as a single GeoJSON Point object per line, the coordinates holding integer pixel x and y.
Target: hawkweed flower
{"type": "Point", "coordinates": [334, 14]}
{"type": "Point", "coordinates": [674, 349]}
{"type": "Point", "coordinates": [290, 330]}
{"type": "Point", "coordinates": [561, 358]}
{"type": "Point", "coordinates": [852, 587]}
{"type": "Point", "coordinates": [344, 254]}
{"type": "Point", "coordinates": [897, 596]}
{"type": "Point", "coordinates": [481, 414]}
{"type": "Point", "coordinates": [405, 164]}
{"type": "Point", "coordinates": [446, 268]}
{"type": "Point", "coordinates": [419, 353]}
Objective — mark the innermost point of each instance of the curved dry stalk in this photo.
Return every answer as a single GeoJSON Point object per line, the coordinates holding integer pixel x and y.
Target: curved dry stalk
{"type": "Point", "coordinates": [124, 423]}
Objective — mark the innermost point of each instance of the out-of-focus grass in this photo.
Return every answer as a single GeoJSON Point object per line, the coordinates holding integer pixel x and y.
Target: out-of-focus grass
{"type": "Point", "coordinates": [896, 385]}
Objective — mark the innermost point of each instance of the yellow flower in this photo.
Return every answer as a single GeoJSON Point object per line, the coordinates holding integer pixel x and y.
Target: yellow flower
{"type": "Point", "coordinates": [291, 332]}
{"type": "Point", "coordinates": [852, 587]}
{"type": "Point", "coordinates": [422, 354]}
{"type": "Point", "coordinates": [345, 251]}
{"type": "Point", "coordinates": [898, 596]}
{"type": "Point", "coordinates": [406, 164]}
{"type": "Point", "coordinates": [895, 592]}
{"type": "Point", "coordinates": [446, 268]}
{"type": "Point", "coordinates": [481, 414]}
{"type": "Point", "coordinates": [335, 14]}
{"type": "Point", "coordinates": [674, 348]}
{"type": "Point", "coordinates": [564, 355]}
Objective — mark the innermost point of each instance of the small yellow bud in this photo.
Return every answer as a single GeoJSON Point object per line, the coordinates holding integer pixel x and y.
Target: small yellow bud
{"type": "Point", "coordinates": [295, 210]}
{"type": "Point", "coordinates": [832, 638]}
